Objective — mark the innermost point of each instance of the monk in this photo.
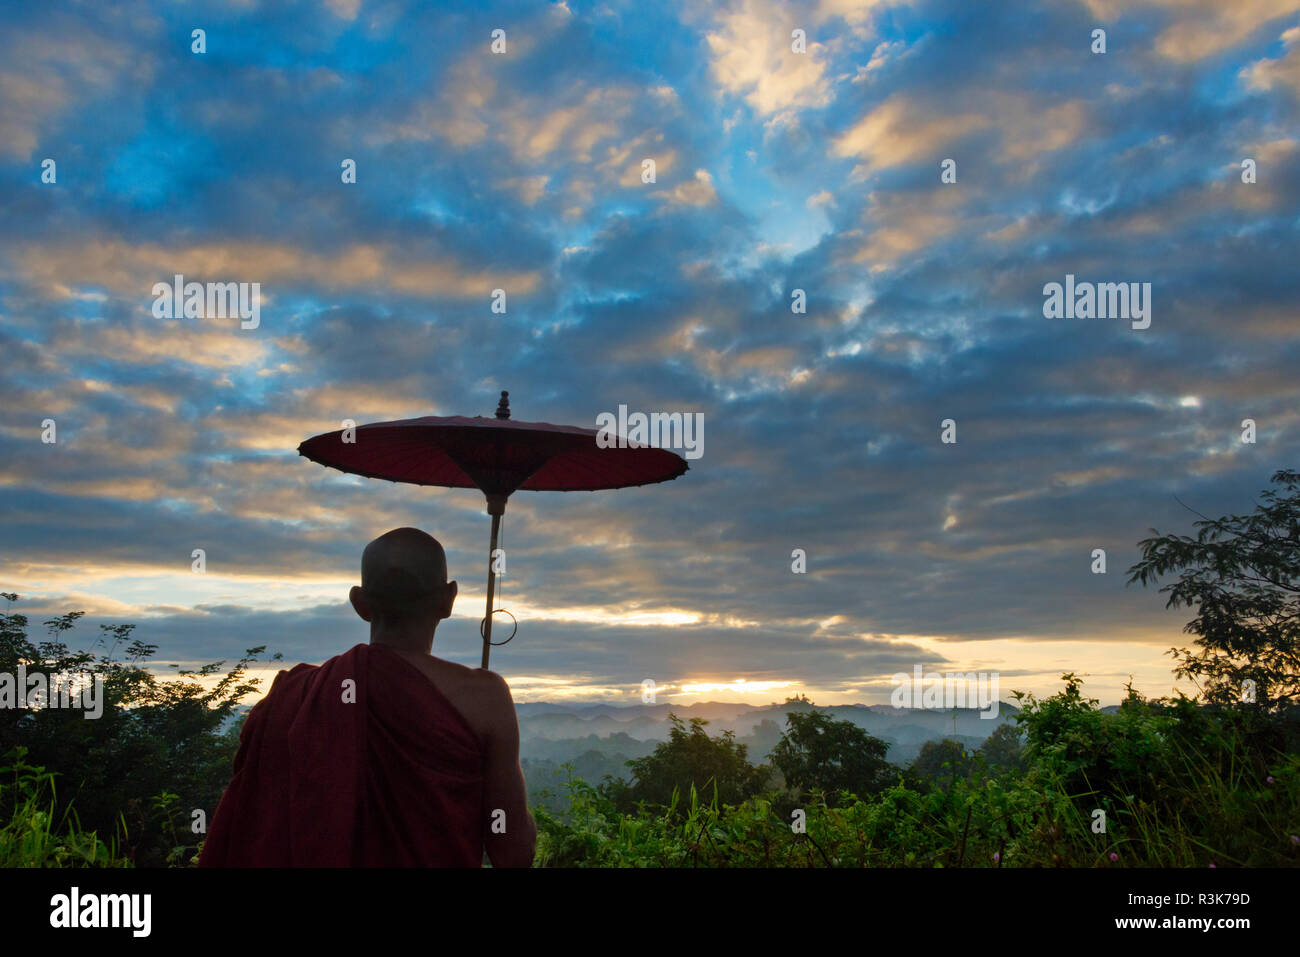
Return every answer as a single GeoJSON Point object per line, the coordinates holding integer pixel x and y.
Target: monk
{"type": "Point", "coordinates": [383, 756]}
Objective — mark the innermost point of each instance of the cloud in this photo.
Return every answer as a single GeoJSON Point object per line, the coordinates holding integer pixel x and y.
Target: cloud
{"type": "Point", "coordinates": [1197, 29]}
{"type": "Point", "coordinates": [751, 56]}
{"type": "Point", "coordinates": [47, 72]}
{"type": "Point", "coordinates": [901, 224]}
{"type": "Point", "coordinates": [697, 191]}
{"type": "Point", "coordinates": [899, 131]}
{"type": "Point", "coordinates": [529, 188]}
{"type": "Point", "coordinates": [132, 269]}
{"type": "Point", "coordinates": [1282, 71]}
{"type": "Point", "coordinates": [344, 9]}
{"type": "Point", "coordinates": [563, 140]}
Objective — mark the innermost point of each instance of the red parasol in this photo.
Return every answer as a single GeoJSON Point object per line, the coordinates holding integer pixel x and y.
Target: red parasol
{"type": "Point", "coordinates": [498, 456]}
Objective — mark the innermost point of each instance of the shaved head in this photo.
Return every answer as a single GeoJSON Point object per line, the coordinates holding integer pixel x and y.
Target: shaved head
{"type": "Point", "coordinates": [403, 577]}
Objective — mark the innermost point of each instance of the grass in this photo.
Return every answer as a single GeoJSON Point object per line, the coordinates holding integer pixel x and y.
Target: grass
{"type": "Point", "coordinates": [32, 835]}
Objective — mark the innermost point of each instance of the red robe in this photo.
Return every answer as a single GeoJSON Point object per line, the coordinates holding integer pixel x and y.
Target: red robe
{"type": "Point", "coordinates": [392, 780]}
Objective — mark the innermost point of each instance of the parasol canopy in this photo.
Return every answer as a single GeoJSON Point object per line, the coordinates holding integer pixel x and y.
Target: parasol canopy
{"type": "Point", "coordinates": [496, 455]}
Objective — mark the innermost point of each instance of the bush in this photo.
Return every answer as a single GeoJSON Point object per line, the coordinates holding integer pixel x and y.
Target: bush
{"type": "Point", "coordinates": [156, 736]}
{"type": "Point", "coordinates": [1180, 785]}
{"type": "Point", "coordinates": [34, 833]}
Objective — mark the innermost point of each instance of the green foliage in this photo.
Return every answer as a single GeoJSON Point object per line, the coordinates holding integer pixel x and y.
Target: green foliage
{"type": "Point", "coordinates": [33, 833]}
{"type": "Point", "coordinates": [686, 761]}
{"type": "Point", "coordinates": [1002, 751]}
{"type": "Point", "coordinates": [762, 738]}
{"type": "Point", "coordinates": [590, 765]}
{"type": "Point", "coordinates": [156, 736]}
{"type": "Point", "coordinates": [820, 753]}
{"type": "Point", "coordinates": [1181, 786]}
{"type": "Point", "coordinates": [940, 764]}
{"type": "Point", "coordinates": [1187, 778]}
{"type": "Point", "coordinates": [1242, 575]}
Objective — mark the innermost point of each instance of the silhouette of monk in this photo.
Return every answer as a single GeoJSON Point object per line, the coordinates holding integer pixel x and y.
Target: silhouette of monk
{"type": "Point", "coordinates": [383, 756]}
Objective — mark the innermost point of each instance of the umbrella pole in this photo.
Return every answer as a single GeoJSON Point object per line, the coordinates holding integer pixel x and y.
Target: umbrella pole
{"type": "Point", "coordinates": [496, 508]}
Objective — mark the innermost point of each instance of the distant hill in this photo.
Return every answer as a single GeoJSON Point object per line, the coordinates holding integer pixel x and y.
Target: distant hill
{"type": "Point", "coordinates": [907, 728]}
{"type": "Point", "coordinates": [600, 737]}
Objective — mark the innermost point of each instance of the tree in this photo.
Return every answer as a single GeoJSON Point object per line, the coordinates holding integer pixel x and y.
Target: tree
{"type": "Point", "coordinates": [819, 752]}
{"type": "Point", "coordinates": [161, 748]}
{"type": "Point", "coordinates": [763, 738]}
{"type": "Point", "coordinates": [941, 763]}
{"type": "Point", "coordinates": [1002, 749]}
{"type": "Point", "coordinates": [690, 758]}
{"type": "Point", "coordinates": [1242, 575]}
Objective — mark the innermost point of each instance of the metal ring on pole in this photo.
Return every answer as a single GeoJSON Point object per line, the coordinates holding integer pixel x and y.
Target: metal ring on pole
{"type": "Point", "coordinates": [514, 622]}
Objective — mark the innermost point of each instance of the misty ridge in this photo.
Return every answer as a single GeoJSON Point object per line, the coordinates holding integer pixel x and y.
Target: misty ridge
{"type": "Point", "coordinates": [558, 732]}
{"type": "Point", "coordinates": [598, 738]}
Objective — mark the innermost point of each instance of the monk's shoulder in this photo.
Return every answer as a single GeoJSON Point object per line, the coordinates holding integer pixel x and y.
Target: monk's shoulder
{"type": "Point", "coordinates": [297, 671]}
{"type": "Point", "coordinates": [446, 671]}
{"type": "Point", "coordinates": [482, 695]}
{"type": "Point", "coordinates": [473, 692]}
{"type": "Point", "coordinates": [491, 683]}
{"type": "Point", "coordinates": [290, 680]}
{"type": "Point", "coordinates": [498, 704]}
{"type": "Point", "coordinates": [483, 687]}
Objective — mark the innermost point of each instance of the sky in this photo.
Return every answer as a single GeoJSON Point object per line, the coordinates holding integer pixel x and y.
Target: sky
{"type": "Point", "coordinates": [784, 161]}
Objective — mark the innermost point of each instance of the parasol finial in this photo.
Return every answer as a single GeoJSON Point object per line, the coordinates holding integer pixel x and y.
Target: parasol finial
{"type": "Point", "coordinates": [503, 407]}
